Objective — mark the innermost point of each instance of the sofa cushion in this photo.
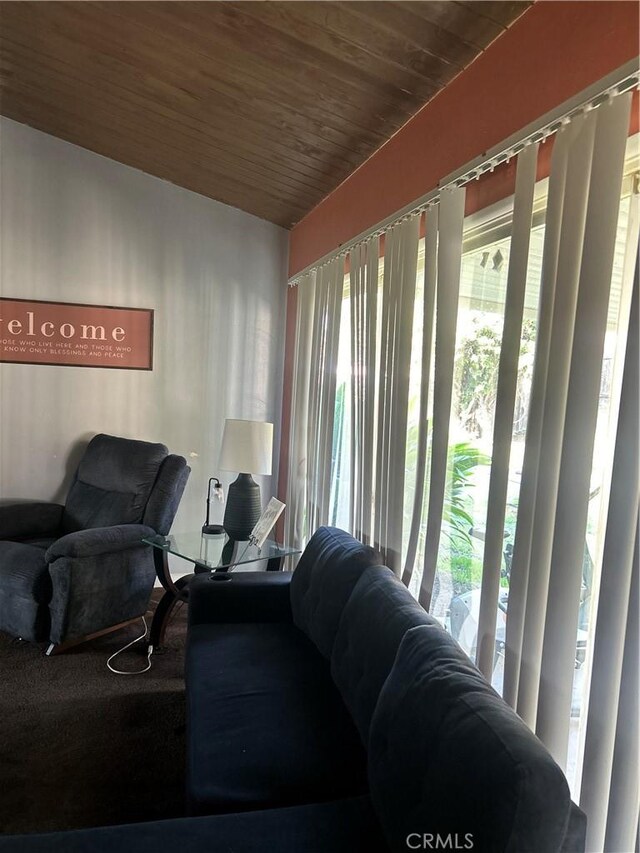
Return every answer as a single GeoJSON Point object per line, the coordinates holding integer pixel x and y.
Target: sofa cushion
{"type": "Point", "coordinates": [447, 755]}
{"type": "Point", "coordinates": [267, 727]}
{"type": "Point", "coordinates": [343, 826]}
{"type": "Point", "coordinates": [42, 543]}
{"type": "Point", "coordinates": [376, 617]}
{"type": "Point", "coordinates": [323, 580]}
{"type": "Point", "coordinates": [22, 519]}
{"type": "Point", "coordinates": [113, 483]}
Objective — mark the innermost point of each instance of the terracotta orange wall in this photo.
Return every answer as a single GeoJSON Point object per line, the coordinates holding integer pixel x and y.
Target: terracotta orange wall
{"type": "Point", "coordinates": [552, 52]}
{"type": "Point", "coordinates": [555, 50]}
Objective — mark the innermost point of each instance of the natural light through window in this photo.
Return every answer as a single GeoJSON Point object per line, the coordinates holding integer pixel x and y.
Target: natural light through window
{"type": "Point", "coordinates": [485, 263]}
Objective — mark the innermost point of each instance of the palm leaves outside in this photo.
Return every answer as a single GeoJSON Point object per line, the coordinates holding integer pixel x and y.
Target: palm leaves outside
{"type": "Point", "coordinates": [457, 522]}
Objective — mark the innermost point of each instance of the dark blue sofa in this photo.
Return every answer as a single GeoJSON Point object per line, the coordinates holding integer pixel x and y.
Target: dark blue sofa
{"type": "Point", "coordinates": [328, 712]}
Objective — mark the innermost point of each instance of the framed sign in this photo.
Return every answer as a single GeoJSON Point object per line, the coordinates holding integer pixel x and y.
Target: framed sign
{"type": "Point", "coordinates": [72, 334]}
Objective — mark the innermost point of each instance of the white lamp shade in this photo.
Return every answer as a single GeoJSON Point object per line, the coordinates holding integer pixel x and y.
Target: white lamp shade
{"type": "Point", "coordinates": [247, 446]}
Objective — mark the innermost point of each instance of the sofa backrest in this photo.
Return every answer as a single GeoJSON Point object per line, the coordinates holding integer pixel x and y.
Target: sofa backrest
{"type": "Point", "coordinates": [379, 612]}
{"type": "Point", "coordinates": [323, 580]}
{"type": "Point", "coordinates": [448, 757]}
{"type": "Point", "coordinates": [113, 483]}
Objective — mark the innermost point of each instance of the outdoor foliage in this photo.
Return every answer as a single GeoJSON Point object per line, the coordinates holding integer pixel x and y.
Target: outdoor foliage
{"type": "Point", "coordinates": [457, 521]}
{"type": "Point", "coordinates": [476, 379]}
{"type": "Point", "coordinates": [476, 376]}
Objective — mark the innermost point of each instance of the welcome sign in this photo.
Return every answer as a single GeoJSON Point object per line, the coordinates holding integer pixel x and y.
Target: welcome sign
{"type": "Point", "coordinates": [75, 335]}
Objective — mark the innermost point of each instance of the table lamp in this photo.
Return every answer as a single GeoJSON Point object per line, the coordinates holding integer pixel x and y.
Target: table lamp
{"type": "Point", "coordinates": [247, 447]}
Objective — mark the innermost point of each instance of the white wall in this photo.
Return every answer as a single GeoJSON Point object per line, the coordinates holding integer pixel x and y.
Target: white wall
{"type": "Point", "coordinates": [77, 227]}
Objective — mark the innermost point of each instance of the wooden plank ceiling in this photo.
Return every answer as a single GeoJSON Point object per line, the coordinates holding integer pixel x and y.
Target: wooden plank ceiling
{"type": "Point", "coordinates": [266, 106]}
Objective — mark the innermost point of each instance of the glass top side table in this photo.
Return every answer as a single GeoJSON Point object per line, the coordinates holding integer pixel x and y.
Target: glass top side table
{"type": "Point", "coordinates": [208, 554]}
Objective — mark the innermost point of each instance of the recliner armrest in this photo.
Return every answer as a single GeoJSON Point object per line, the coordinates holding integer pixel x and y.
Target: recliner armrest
{"type": "Point", "coordinates": [240, 597]}
{"type": "Point", "coordinates": [24, 519]}
{"type": "Point", "coordinates": [99, 540]}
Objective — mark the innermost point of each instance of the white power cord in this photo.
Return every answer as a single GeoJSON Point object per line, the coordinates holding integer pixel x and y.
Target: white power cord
{"type": "Point", "coordinates": [124, 648]}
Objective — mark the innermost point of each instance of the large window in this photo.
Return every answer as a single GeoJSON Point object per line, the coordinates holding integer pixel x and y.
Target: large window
{"type": "Point", "coordinates": [456, 596]}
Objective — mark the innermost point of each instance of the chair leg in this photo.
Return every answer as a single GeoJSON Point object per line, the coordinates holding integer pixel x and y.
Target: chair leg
{"type": "Point", "coordinates": [59, 648]}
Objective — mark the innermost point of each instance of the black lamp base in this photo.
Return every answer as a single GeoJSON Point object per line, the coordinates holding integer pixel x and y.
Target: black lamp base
{"type": "Point", "coordinates": [212, 530]}
{"type": "Point", "coordinates": [243, 507]}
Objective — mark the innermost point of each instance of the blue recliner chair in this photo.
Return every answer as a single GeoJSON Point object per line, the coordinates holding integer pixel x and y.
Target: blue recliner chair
{"type": "Point", "coordinates": [70, 573]}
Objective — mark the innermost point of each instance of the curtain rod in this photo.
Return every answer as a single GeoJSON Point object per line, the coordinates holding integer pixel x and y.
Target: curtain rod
{"type": "Point", "coordinates": [615, 83]}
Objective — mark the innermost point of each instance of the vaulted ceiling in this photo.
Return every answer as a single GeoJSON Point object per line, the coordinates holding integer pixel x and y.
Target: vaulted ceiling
{"type": "Point", "coordinates": [266, 106]}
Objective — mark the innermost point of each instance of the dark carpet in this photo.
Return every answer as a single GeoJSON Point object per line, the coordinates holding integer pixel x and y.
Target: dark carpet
{"type": "Point", "coordinates": [80, 746]}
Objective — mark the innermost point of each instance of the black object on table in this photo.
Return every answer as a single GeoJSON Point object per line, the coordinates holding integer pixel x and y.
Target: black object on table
{"type": "Point", "coordinates": [207, 555]}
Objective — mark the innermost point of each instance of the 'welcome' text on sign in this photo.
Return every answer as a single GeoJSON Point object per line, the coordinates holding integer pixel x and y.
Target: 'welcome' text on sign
{"type": "Point", "coordinates": [70, 334]}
